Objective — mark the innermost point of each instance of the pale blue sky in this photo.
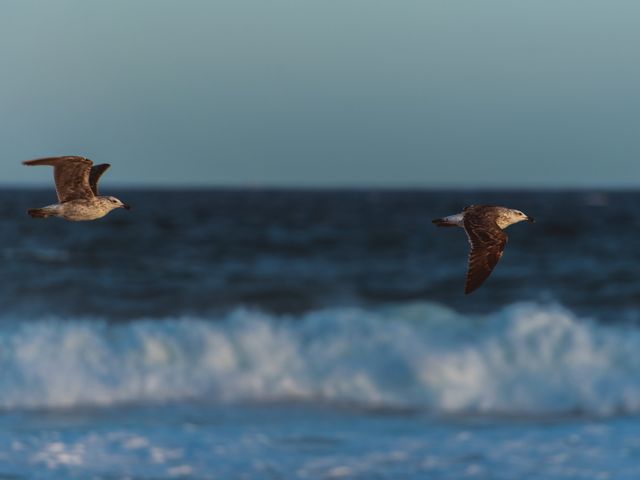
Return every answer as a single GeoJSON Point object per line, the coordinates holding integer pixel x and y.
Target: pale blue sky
{"type": "Point", "coordinates": [327, 92]}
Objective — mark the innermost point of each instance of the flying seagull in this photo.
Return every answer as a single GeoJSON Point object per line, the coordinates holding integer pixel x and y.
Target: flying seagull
{"type": "Point", "coordinates": [77, 187]}
{"type": "Point", "coordinates": [484, 225]}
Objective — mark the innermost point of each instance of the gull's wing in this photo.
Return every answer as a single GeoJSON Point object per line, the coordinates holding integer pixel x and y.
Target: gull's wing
{"type": "Point", "coordinates": [487, 244]}
{"type": "Point", "coordinates": [95, 174]}
{"type": "Point", "coordinates": [71, 175]}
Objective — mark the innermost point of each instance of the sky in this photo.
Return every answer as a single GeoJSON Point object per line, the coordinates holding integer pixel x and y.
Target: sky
{"type": "Point", "coordinates": [334, 93]}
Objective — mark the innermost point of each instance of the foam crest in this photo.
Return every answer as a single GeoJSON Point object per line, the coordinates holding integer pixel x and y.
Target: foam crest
{"type": "Point", "coordinates": [524, 359]}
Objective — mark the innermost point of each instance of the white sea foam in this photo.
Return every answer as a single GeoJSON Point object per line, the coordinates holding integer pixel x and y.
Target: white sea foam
{"type": "Point", "coordinates": [524, 359]}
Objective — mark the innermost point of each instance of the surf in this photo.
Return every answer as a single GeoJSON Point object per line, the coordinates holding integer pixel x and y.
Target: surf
{"type": "Point", "coordinates": [524, 359]}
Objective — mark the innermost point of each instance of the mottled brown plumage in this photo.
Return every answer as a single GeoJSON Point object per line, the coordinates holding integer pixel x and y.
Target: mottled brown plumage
{"type": "Point", "coordinates": [71, 175]}
{"type": "Point", "coordinates": [487, 244]}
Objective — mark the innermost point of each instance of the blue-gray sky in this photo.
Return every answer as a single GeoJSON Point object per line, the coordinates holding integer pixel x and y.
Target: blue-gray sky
{"type": "Point", "coordinates": [326, 92]}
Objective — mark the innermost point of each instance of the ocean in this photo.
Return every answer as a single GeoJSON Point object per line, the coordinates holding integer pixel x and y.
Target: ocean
{"type": "Point", "coordinates": [301, 334]}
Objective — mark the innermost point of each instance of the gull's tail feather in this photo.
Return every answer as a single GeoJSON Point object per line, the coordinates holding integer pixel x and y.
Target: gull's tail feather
{"type": "Point", "coordinates": [39, 212]}
{"type": "Point", "coordinates": [441, 222]}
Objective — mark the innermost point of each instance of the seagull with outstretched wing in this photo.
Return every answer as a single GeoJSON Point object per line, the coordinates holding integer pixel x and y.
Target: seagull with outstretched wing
{"type": "Point", "coordinates": [76, 180]}
{"type": "Point", "coordinates": [485, 226]}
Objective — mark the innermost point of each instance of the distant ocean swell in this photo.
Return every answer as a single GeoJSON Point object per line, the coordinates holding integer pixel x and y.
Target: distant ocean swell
{"type": "Point", "coordinates": [525, 359]}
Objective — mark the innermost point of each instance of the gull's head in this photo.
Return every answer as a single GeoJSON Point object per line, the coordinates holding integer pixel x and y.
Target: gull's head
{"type": "Point", "coordinates": [114, 203]}
{"type": "Point", "coordinates": [516, 216]}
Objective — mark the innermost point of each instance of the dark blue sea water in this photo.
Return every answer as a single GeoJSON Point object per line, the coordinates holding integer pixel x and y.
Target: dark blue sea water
{"type": "Point", "coordinates": [319, 334]}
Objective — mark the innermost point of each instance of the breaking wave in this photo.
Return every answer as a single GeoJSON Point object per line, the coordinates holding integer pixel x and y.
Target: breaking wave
{"type": "Point", "coordinates": [524, 359]}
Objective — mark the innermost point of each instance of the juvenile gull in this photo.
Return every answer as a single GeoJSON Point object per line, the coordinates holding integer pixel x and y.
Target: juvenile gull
{"type": "Point", "coordinates": [484, 225]}
{"type": "Point", "coordinates": [77, 186]}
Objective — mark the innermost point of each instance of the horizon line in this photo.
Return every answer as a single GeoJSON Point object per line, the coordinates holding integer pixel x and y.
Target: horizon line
{"type": "Point", "coordinates": [338, 187]}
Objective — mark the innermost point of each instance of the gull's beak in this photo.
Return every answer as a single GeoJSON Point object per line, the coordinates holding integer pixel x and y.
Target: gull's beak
{"type": "Point", "coordinates": [126, 207]}
{"type": "Point", "coordinates": [531, 219]}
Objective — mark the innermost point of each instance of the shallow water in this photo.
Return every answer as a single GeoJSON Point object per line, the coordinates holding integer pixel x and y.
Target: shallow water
{"type": "Point", "coordinates": [292, 441]}
{"type": "Point", "coordinates": [274, 334]}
